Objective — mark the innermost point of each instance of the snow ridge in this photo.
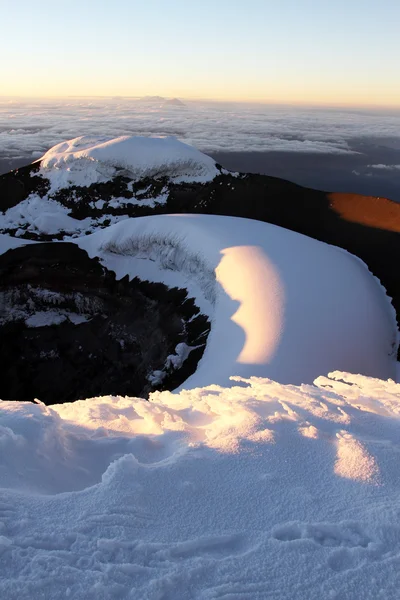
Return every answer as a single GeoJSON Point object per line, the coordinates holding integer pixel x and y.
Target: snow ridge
{"type": "Point", "coordinates": [282, 305]}
{"type": "Point", "coordinates": [391, 311]}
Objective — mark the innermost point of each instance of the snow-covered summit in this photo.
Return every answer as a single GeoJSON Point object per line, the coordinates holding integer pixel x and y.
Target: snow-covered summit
{"type": "Point", "coordinates": [90, 159]}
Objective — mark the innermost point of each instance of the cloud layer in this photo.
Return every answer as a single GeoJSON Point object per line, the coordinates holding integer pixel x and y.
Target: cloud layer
{"type": "Point", "coordinates": [386, 167]}
{"type": "Point", "coordinates": [30, 128]}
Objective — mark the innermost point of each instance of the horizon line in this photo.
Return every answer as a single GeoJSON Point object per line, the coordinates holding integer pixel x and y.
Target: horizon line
{"type": "Point", "coordinates": [316, 104]}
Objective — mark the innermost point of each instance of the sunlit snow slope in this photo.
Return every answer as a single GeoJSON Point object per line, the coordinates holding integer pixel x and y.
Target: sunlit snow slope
{"type": "Point", "coordinates": [252, 492]}
{"type": "Point", "coordinates": [283, 305]}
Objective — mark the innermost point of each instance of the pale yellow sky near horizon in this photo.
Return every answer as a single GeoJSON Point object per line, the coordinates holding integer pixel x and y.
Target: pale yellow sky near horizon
{"type": "Point", "coordinates": [370, 101]}
{"type": "Point", "coordinates": [248, 89]}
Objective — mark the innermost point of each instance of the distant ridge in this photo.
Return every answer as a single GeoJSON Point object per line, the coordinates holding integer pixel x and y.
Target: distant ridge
{"type": "Point", "coordinates": [152, 99]}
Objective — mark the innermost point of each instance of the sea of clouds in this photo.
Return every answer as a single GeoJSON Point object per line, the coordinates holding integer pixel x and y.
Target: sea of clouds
{"type": "Point", "coordinates": [343, 145]}
{"type": "Point", "coordinates": [30, 127]}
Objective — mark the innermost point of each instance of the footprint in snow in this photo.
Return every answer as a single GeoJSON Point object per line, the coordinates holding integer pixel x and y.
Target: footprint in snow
{"type": "Point", "coordinates": [349, 543]}
{"type": "Point", "coordinates": [348, 540]}
{"type": "Point", "coordinates": [348, 535]}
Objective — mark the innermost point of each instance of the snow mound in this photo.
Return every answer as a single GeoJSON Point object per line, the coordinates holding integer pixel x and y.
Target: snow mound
{"type": "Point", "coordinates": [282, 305]}
{"type": "Point", "coordinates": [255, 491]}
{"type": "Point", "coordinates": [89, 159]}
{"type": "Point", "coordinates": [45, 216]}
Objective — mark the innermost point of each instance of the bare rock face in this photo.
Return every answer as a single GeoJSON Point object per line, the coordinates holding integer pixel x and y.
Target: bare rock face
{"type": "Point", "coordinates": [17, 185]}
{"type": "Point", "coordinates": [69, 330]}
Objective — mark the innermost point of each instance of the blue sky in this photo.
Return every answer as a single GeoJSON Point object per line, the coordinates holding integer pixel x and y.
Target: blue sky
{"type": "Point", "coordinates": [336, 52]}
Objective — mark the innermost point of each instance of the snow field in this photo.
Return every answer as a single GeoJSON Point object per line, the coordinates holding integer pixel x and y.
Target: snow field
{"type": "Point", "coordinates": [255, 491]}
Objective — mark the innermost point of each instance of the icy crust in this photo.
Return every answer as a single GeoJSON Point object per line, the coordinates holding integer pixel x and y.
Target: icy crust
{"type": "Point", "coordinates": [86, 160]}
{"type": "Point", "coordinates": [283, 305]}
{"type": "Point", "coordinates": [255, 491]}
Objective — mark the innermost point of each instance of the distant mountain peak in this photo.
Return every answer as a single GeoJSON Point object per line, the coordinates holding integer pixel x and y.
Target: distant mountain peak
{"type": "Point", "coordinates": [175, 102]}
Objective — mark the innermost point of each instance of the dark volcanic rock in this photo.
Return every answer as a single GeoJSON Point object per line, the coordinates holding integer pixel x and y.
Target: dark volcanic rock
{"type": "Point", "coordinates": [16, 185]}
{"type": "Point", "coordinates": [70, 330]}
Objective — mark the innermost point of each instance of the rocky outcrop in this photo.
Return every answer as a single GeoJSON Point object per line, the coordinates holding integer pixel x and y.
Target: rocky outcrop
{"type": "Point", "coordinates": [70, 330]}
{"type": "Point", "coordinates": [17, 185]}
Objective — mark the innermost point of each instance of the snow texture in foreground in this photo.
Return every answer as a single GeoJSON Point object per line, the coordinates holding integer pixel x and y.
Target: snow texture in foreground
{"type": "Point", "coordinates": [90, 159]}
{"type": "Point", "coordinates": [255, 491]}
{"type": "Point", "coordinates": [282, 305]}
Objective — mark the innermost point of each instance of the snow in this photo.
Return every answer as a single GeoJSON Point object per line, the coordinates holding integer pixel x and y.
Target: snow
{"type": "Point", "coordinates": [89, 159]}
{"type": "Point", "coordinates": [8, 243]}
{"type": "Point", "coordinates": [282, 305]}
{"type": "Point", "coordinates": [45, 318]}
{"type": "Point", "coordinates": [256, 491]}
{"type": "Point", "coordinates": [40, 216]}
{"type": "Point", "coordinates": [137, 200]}
{"type": "Point", "coordinates": [172, 362]}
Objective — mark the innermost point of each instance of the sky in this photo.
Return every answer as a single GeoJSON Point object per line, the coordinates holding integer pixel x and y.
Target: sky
{"type": "Point", "coordinates": [295, 51]}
